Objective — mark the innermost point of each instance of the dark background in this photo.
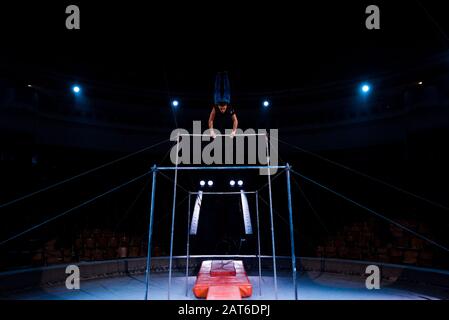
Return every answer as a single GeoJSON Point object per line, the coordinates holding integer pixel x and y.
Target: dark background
{"type": "Point", "coordinates": [309, 60]}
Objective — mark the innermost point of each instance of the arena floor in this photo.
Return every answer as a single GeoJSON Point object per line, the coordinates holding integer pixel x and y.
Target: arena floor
{"type": "Point", "coordinates": [318, 286]}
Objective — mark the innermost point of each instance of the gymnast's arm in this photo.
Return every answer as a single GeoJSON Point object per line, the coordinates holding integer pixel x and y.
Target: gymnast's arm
{"type": "Point", "coordinates": [235, 124]}
{"type": "Point", "coordinates": [211, 122]}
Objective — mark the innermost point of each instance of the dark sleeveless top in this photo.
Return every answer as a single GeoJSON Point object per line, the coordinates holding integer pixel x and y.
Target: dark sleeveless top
{"type": "Point", "coordinates": [223, 121]}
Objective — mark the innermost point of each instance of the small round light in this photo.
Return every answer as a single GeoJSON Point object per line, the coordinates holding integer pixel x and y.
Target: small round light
{"type": "Point", "coordinates": [210, 183]}
{"type": "Point", "coordinates": [76, 89]}
{"type": "Point", "coordinates": [175, 103]}
{"type": "Point", "coordinates": [266, 103]}
{"type": "Point", "coordinates": [365, 88]}
{"type": "Point", "coordinates": [202, 183]}
{"type": "Point", "coordinates": [420, 83]}
{"type": "Point", "coordinates": [240, 183]}
{"type": "Point", "coordinates": [232, 183]}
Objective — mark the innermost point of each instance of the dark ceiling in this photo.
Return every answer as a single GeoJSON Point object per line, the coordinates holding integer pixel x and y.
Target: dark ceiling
{"type": "Point", "coordinates": [178, 48]}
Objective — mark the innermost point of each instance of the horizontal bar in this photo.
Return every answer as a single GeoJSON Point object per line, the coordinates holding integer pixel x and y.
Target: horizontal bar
{"type": "Point", "coordinates": [221, 168]}
{"type": "Point", "coordinates": [227, 256]}
{"type": "Point", "coordinates": [221, 135]}
{"type": "Point", "coordinates": [224, 192]}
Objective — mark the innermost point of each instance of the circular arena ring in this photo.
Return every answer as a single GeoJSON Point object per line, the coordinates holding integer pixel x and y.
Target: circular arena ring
{"type": "Point", "coordinates": [249, 277]}
{"type": "Point", "coordinates": [317, 279]}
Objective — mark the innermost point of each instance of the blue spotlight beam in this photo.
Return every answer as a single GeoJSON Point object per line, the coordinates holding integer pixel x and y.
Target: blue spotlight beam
{"type": "Point", "coordinates": [365, 88]}
{"type": "Point", "coordinates": [76, 89]}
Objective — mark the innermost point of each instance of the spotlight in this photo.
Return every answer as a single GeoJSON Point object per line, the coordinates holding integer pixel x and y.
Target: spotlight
{"type": "Point", "coordinates": [365, 88]}
{"type": "Point", "coordinates": [202, 183]}
{"type": "Point", "coordinates": [76, 89]}
{"type": "Point", "coordinates": [210, 183]}
{"type": "Point", "coordinates": [266, 103]}
{"type": "Point", "coordinates": [240, 183]}
{"type": "Point", "coordinates": [420, 83]}
{"type": "Point", "coordinates": [175, 103]}
{"type": "Point", "coordinates": [232, 183]}
{"type": "Point", "coordinates": [29, 86]}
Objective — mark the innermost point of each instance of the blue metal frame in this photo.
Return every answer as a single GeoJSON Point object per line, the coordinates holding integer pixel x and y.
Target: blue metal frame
{"type": "Point", "coordinates": [222, 168]}
{"type": "Point", "coordinates": [292, 235]}
{"type": "Point", "coordinates": [188, 249]}
{"type": "Point", "coordinates": [176, 168]}
{"type": "Point", "coordinates": [150, 231]}
{"type": "Point", "coordinates": [258, 243]}
{"type": "Point", "coordinates": [188, 231]}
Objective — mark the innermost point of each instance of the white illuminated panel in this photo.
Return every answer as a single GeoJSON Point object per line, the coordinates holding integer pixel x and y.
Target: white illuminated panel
{"type": "Point", "coordinates": [246, 214]}
{"type": "Point", "coordinates": [196, 213]}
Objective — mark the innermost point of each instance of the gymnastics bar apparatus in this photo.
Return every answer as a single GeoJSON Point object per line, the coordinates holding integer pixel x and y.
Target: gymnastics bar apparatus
{"type": "Point", "coordinates": [287, 168]}
{"type": "Point", "coordinates": [189, 230]}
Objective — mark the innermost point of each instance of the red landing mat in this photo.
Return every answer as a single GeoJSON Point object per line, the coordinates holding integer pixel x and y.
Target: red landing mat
{"type": "Point", "coordinates": [224, 293]}
{"type": "Point", "coordinates": [222, 268]}
{"type": "Point", "coordinates": [225, 278]}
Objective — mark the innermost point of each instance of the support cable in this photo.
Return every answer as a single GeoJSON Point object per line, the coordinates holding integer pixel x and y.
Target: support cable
{"type": "Point", "coordinates": [397, 224]}
{"type": "Point", "coordinates": [434, 203]}
{"type": "Point", "coordinates": [79, 175]}
{"type": "Point", "coordinates": [73, 209]}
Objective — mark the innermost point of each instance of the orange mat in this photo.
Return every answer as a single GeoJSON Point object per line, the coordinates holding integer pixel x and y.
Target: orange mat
{"type": "Point", "coordinates": [223, 281]}
{"type": "Point", "coordinates": [224, 293]}
{"type": "Point", "coordinates": [222, 268]}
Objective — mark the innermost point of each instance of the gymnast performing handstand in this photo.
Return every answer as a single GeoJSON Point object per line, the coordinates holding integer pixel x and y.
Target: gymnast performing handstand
{"type": "Point", "coordinates": [222, 114]}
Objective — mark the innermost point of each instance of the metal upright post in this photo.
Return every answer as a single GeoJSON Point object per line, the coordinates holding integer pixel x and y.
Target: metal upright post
{"type": "Point", "coordinates": [273, 244]}
{"type": "Point", "coordinates": [188, 248]}
{"type": "Point", "coordinates": [292, 235]}
{"type": "Point", "coordinates": [173, 219]}
{"type": "Point", "coordinates": [150, 231]}
{"type": "Point", "coordinates": [258, 243]}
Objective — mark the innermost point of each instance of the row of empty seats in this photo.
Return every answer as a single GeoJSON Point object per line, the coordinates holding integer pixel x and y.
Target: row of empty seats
{"type": "Point", "coordinates": [367, 241]}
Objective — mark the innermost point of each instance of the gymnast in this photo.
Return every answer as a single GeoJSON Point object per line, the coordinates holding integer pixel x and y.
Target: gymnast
{"type": "Point", "coordinates": [222, 113]}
